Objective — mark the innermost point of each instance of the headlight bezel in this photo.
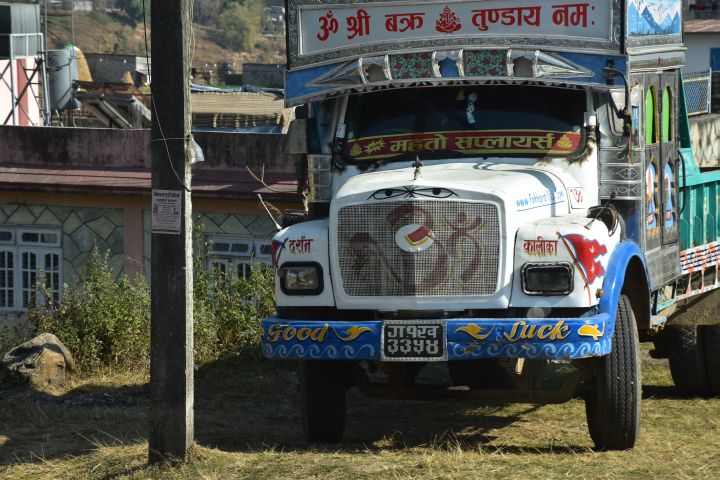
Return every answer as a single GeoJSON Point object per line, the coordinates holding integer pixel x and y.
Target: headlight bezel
{"type": "Point", "coordinates": [284, 270]}
{"type": "Point", "coordinates": [565, 269]}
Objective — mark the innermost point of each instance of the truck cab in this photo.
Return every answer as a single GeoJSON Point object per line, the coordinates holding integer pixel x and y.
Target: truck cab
{"type": "Point", "coordinates": [493, 203]}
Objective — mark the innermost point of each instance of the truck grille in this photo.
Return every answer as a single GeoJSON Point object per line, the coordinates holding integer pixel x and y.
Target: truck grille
{"type": "Point", "coordinates": [457, 247]}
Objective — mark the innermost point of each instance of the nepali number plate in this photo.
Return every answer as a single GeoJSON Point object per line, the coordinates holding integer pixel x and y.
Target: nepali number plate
{"type": "Point", "coordinates": [413, 341]}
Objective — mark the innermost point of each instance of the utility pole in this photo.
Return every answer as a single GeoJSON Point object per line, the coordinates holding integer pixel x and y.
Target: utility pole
{"type": "Point", "coordinates": [171, 351]}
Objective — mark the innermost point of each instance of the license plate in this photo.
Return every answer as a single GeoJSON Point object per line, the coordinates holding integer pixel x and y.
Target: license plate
{"type": "Point", "coordinates": [413, 341]}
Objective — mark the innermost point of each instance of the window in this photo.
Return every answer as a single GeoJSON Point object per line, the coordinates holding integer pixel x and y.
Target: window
{"type": "Point", "coordinates": [26, 256]}
{"type": "Point", "coordinates": [237, 256]}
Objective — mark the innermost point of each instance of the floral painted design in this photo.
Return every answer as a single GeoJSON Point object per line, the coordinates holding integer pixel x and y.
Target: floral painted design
{"type": "Point", "coordinates": [411, 65]}
{"type": "Point", "coordinates": [447, 21]}
{"type": "Point", "coordinates": [485, 63]}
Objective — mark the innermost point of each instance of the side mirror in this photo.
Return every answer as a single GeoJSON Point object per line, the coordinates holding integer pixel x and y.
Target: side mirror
{"type": "Point", "coordinates": [296, 142]}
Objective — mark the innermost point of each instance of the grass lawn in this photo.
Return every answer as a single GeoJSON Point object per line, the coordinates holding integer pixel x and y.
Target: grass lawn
{"type": "Point", "coordinates": [247, 425]}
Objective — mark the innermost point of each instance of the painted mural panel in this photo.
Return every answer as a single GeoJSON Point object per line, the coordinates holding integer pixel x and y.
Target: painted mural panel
{"type": "Point", "coordinates": [654, 17]}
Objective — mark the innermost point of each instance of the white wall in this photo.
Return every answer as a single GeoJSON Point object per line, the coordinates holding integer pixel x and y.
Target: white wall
{"type": "Point", "coordinates": [697, 57]}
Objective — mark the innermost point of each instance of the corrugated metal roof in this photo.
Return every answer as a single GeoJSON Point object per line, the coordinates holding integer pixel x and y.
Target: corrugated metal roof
{"type": "Point", "coordinates": [703, 26]}
{"type": "Point", "coordinates": [242, 103]}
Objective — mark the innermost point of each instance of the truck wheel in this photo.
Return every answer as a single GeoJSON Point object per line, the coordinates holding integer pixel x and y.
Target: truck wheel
{"type": "Point", "coordinates": [711, 340]}
{"type": "Point", "coordinates": [322, 392]}
{"type": "Point", "coordinates": [687, 360]}
{"type": "Point", "coordinates": [613, 409]}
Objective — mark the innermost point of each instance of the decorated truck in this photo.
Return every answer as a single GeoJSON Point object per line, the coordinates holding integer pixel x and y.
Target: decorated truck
{"type": "Point", "coordinates": [503, 202]}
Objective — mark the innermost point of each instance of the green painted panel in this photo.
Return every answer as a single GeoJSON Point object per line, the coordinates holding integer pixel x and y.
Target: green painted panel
{"type": "Point", "coordinates": [650, 136]}
{"type": "Point", "coordinates": [666, 115]}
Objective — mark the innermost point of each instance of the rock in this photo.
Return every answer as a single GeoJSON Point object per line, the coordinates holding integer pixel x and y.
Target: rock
{"type": "Point", "coordinates": [41, 361]}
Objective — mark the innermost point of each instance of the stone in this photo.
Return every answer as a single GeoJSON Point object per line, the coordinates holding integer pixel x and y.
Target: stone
{"type": "Point", "coordinates": [261, 226]}
{"type": "Point", "coordinates": [234, 226]}
{"type": "Point", "coordinates": [42, 361]}
{"type": "Point", "coordinates": [102, 227]}
{"type": "Point", "coordinates": [115, 215]}
{"type": "Point", "coordinates": [47, 218]}
{"type": "Point", "coordinates": [61, 213]}
{"type": "Point", "coordinates": [84, 238]}
{"type": "Point", "coordinates": [37, 210]}
{"type": "Point", "coordinates": [70, 248]}
{"type": "Point", "coordinates": [116, 241]}
{"type": "Point", "coordinates": [21, 216]}
{"type": "Point", "coordinates": [208, 226]}
{"type": "Point", "coordinates": [87, 215]}
{"type": "Point", "coordinates": [217, 218]}
{"type": "Point", "coordinates": [71, 223]}
{"type": "Point", "coordinates": [10, 208]}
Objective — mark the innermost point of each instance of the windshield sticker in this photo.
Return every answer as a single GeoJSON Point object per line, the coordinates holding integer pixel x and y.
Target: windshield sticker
{"type": "Point", "coordinates": [539, 199]}
{"type": "Point", "coordinates": [470, 142]}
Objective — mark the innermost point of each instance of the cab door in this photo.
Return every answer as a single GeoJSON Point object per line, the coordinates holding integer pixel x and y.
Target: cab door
{"type": "Point", "coordinates": [652, 165]}
{"type": "Point", "coordinates": [669, 156]}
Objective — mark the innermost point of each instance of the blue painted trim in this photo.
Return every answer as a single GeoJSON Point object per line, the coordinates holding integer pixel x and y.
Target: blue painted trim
{"type": "Point", "coordinates": [297, 82]}
{"type": "Point", "coordinates": [615, 276]}
{"type": "Point", "coordinates": [465, 338]}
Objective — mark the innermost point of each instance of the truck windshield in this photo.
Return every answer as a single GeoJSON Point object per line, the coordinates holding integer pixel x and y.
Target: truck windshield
{"type": "Point", "coordinates": [456, 122]}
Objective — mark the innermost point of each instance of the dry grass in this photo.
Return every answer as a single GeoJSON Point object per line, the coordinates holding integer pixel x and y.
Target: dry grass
{"type": "Point", "coordinates": [247, 426]}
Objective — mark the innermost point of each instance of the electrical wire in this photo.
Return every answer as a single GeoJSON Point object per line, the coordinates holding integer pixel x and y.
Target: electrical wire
{"type": "Point", "coordinates": [157, 117]}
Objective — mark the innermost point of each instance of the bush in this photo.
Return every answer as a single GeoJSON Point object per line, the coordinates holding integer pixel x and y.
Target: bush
{"type": "Point", "coordinates": [102, 321]}
{"type": "Point", "coordinates": [106, 322]}
{"type": "Point", "coordinates": [228, 310]}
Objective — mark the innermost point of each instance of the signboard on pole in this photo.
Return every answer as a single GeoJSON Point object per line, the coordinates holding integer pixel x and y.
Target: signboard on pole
{"type": "Point", "coordinates": [166, 211]}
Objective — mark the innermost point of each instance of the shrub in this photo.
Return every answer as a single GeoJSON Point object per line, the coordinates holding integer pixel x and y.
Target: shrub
{"type": "Point", "coordinates": [228, 310]}
{"type": "Point", "coordinates": [101, 320]}
{"type": "Point", "coordinates": [106, 322]}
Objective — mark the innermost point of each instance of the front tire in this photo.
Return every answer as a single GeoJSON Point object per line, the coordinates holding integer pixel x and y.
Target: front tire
{"type": "Point", "coordinates": [322, 392]}
{"type": "Point", "coordinates": [613, 408]}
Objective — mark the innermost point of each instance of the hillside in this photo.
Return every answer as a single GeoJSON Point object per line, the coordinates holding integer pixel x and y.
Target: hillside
{"type": "Point", "coordinates": [97, 32]}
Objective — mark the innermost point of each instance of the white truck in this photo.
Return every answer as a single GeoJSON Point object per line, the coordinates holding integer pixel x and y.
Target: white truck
{"type": "Point", "coordinates": [502, 188]}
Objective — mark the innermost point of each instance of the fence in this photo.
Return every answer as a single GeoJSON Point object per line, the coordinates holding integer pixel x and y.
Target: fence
{"type": "Point", "coordinates": [698, 88]}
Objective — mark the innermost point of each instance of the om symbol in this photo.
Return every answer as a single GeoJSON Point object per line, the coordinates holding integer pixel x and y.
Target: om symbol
{"type": "Point", "coordinates": [328, 25]}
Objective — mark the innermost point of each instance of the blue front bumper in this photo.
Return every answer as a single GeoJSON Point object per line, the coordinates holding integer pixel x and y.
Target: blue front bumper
{"type": "Point", "coordinates": [464, 338]}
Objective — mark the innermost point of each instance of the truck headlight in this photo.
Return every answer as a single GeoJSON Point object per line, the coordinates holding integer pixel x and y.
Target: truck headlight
{"type": "Point", "coordinates": [298, 278]}
{"type": "Point", "coordinates": [547, 278]}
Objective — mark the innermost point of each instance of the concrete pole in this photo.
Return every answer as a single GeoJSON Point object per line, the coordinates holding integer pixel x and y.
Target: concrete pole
{"type": "Point", "coordinates": [171, 365]}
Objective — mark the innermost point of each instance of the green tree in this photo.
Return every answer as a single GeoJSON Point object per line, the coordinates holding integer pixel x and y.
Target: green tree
{"type": "Point", "coordinates": [240, 24]}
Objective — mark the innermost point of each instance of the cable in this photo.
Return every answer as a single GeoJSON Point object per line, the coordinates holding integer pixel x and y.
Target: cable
{"type": "Point", "coordinates": [157, 117]}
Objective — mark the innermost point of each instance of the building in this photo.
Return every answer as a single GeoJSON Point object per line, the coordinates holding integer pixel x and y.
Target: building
{"type": "Point", "coordinates": [64, 191]}
{"type": "Point", "coordinates": [111, 67]}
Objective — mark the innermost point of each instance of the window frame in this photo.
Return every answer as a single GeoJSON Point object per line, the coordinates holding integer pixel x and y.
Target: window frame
{"type": "Point", "coordinates": [238, 264]}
